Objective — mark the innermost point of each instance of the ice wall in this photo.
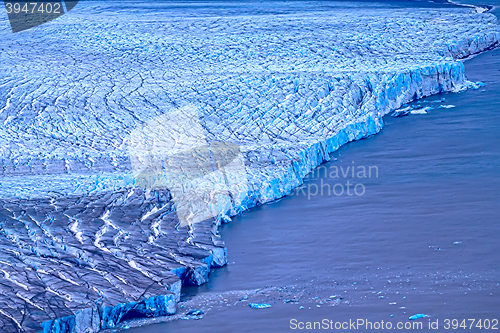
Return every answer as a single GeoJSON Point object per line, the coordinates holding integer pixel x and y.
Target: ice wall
{"type": "Point", "coordinates": [83, 248]}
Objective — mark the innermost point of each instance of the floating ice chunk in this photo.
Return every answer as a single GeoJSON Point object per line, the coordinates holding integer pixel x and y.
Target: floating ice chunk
{"type": "Point", "coordinates": [422, 110]}
{"type": "Point", "coordinates": [446, 106]}
{"type": "Point", "coordinates": [193, 314]}
{"type": "Point", "coordinates": [336, 297]}
{"type": "Point", "coordinates": [475, 85]}
{"type": "Point", "coordinates": [401, 112]}
{"type": "Point", "coordinates": [259, 305]}
{"type": "Point", "coordinates": [417, 316]}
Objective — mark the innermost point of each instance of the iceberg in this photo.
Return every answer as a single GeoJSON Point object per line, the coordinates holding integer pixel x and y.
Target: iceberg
{"type": "Point", "coordinates": [84, 247]}
{"type": "Point", "coordinates": [417, 316]}
{"type": "Point", "coordinates": [401, 112]}
{"type": "Point", "coordinates": [193, 314]}
{"type": "Point", "coordinates": [259, 305]}
{"type": "Point", "coordinates": [421, 110]}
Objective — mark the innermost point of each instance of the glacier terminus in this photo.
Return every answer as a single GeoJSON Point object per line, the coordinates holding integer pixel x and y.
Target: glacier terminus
{"type": "Point", "coordinates": [277, 86]}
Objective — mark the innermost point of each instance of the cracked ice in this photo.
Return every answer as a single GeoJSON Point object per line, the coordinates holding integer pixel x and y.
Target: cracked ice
{"type": "Point", "coordinates": [83, 248]}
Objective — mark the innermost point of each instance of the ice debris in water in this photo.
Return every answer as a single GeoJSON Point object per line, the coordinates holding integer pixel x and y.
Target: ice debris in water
{"type": "Point", "coordinates": [194, 314]}
{"type": "Point", "coordinates": [475, 85]}
{"type": "Point", "coordinates": [336, 297]}
{"type": "Point", "coordinates": [401, 112]}
{"type": "Point", "coordinates": [446, 106]}
{"type": "Point", "coordinates": [417, 316]}
{"type": "Point", "coordinates": [410, 110]}
{"type": "Point", "coordinates": [422, 110]}
{"type": "Point", "coordinates": [259, 305]}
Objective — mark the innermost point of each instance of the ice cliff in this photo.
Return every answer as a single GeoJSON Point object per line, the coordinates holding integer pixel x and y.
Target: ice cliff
{"type": "Point", "coordinates": [82, 247]}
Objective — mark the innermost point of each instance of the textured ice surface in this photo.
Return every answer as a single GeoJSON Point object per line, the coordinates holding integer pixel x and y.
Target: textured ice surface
{"type": "Point", "coordinates": [83, 248]}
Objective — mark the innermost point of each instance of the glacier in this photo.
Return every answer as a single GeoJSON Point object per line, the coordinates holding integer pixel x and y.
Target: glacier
{"type": "Point", "coordinates": [85, 249]}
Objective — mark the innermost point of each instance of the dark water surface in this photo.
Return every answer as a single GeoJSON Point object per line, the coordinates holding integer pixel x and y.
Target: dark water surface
{"type": "Point", "coordinates": [424, 235]}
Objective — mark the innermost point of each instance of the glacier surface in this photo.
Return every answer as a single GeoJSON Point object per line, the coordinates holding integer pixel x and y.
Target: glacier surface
{"type": "Point", "coordinates": [84, 248]}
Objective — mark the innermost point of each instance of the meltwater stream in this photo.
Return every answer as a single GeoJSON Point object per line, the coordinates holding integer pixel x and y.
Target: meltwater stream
{"type": "Point", "coordinates": [422, 238]}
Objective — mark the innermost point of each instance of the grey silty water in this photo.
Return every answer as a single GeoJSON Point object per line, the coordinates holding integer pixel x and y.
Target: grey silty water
{"type": "Point", "coordinates": [423, 238]}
